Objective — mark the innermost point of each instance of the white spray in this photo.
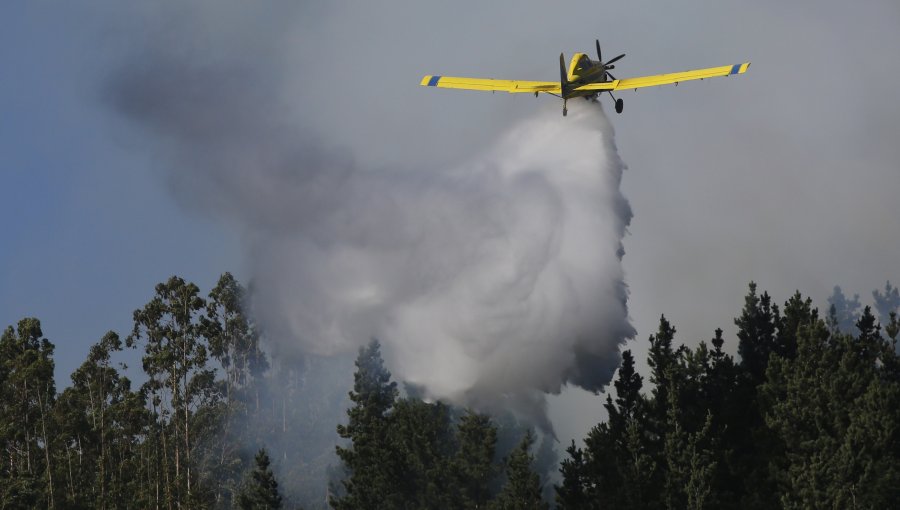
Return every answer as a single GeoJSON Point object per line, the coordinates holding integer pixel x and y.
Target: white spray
{"type": "Point", "coordinates": [488, 284]}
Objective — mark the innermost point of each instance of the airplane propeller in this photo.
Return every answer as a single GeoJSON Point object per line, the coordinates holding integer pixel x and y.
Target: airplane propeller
{"type": "Point", "coordinates": [600, 56]}
{"type": "Point", "coordinates": [613, 60]}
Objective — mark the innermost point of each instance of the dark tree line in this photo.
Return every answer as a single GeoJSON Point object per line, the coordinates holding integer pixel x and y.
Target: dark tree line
{"type": "Point", "coordinates": [407, 453]}
{"type": "Point", "coordinates": [102, 443]}
{"type": "Point", "coordinates": [807, 415]}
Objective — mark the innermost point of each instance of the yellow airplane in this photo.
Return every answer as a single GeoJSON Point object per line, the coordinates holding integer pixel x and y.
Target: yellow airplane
{"type": "Point", "coordinates": [586, 78]}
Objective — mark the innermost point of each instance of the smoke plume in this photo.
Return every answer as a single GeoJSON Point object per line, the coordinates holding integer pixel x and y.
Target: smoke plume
{"type": "Point", "coordinates": [488, 283]}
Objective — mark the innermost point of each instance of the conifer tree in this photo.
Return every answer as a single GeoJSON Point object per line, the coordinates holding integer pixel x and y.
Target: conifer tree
{"type": "Point", "coordinates": [422, 442]}
{"type": "Point", "coordinates": [843, 313]}
{"type": "Point", "coordinates": [887, 302]}
{"type": "Point", "coordinates": [757, 328]}
{"type": "Point", "coordinates": [522, 490]}
{"type": "Point", "coordinates": [575, 492]}
{"type": "Point", "coordinates": [690, 463]}
{"type": "Point", "coordinates": [369, 457]}
{"type": "Point", "coordinates": [473, 464]}
{"type": "Point", "coordinates": [835, 413]}
{"type": "Point", "coordinates": [617, 468]}
{"type": "Point", "coordinates": [664, 361]}
{"type": "Point", "coordinates": [797, 313]}
{"type": "Point", "coordinates": [752, 442]}
{"type": "Point", "coordinates": [261, 489]}
{"type": "Point", "coordinates": [661, 359]}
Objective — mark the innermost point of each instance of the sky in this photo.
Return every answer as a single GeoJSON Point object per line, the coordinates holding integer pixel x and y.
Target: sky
{"type": "Point", "coordinates": [787, 175]}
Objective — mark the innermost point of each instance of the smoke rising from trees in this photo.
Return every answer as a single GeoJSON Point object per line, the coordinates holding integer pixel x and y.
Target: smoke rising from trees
{"type": "Point", "coordinates": [487, 282]}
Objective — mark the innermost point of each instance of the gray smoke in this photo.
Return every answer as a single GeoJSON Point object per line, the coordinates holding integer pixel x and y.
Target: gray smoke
{"type": "Point", "coordinates": [489, 282]}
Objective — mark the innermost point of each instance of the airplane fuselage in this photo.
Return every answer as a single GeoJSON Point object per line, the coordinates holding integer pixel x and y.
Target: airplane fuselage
{"type": "Point", "coordinates": [583, 70]}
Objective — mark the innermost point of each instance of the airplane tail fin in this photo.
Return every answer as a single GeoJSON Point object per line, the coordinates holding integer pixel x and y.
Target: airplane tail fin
{"type": "Point", "coordinates": [563, 81]}
{"type": "Point", "coordinates": [563, 77]}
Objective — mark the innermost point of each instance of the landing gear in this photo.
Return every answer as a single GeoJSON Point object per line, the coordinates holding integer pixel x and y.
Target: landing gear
{"type": "Point", "coordinates": [565, 111]}
{"type": "Point", "coordinates": [619, 103]}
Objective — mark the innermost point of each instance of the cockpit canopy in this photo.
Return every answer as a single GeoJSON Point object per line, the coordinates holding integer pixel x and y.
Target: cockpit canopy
{"type": "Point", "coordinates": [580, 62]}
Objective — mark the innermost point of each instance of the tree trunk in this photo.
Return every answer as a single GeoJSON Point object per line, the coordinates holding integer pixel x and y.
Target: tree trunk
{"type": "Point", "coordinates": [46, 450]}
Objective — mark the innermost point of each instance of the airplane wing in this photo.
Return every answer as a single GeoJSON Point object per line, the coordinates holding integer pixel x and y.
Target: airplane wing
{"type": "Point", "coordinates": [511, 86]}
{"type": "Point", "coordinates": [665, 79]}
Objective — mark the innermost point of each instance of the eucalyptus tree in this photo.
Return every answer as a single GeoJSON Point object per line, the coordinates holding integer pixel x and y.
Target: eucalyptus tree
{"type": "Point", "coordinates": [179, 381]}
{"type": "Point", "coordinates": [101, 424]}
{"type": "Point", "coordinates": [27, 397]}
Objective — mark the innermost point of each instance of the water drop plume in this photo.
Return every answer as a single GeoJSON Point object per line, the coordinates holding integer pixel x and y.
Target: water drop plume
{"type": "Point", "coordinates": [489, 283]}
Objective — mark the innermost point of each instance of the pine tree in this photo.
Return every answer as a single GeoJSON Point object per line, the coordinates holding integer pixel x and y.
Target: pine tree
{"type": "Point", "coordinates": [752, 442]}
{"type": "Point", "coordinates": [616, 468]}
{"type": "Point", "coordinates": [887, 302]}
{"type": "Point", "coordinates": [690, 464]}
{"type": "Point", "coordinates": [422, 441]}
{"type": "Point", "coordinates": [797, 313]}
{"type": "Point", "coordinates": [369, 458]}
{"type": "Point", "coordinates": [665, 374]}
{"type": "Point", "coordinates": [835, 413]}
{"type": "Point", "coordinates": [843, 312]}
{"type": "Point", "coordinates": [261, 489]}
{"type": "Point", "coordinates": [757, 328]}
{"type": "Point", "coordinates": [577, 484]}
{"type": "Point", "coordinates": [629, 403]}
{"type": "Point", "coordinates": [661, 359]}
{"type": "Point", "coordinates": [473, 464]}
{"type": "Point", "coordinates": [522, 490]}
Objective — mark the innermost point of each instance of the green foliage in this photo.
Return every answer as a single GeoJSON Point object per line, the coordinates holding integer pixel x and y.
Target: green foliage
{"type": "Point", "coordinates": [473, 465]}
{"type": "Point", "coordinates": [179, 382]}
{"type": "Point", "coordinates": [690, 460]}
{"type": "Point", "coordinates": [261, 489]}
{"type": "Point", "coordinates": [887, 302]}
{"type": "Point", "coordinates": [27, 397]}
{"type": "Point", "coordinates": [807, 417]}
{"type": "Point", "coordinates": [408, 453]}
{"type": "Point", "coordinates": [422, 444]}
{"type": "Point", "coordinates": [100, 426]}
{"type": "Point", "coordinates": [372, 463]}
{"type": "Point", "coordinates": [234, 342]}
{"type": "Point", "coordinates": [835, 411]}
{"type": "Point", "coordinates": [522, 490]}
{"type": "Point", "coordinates": [618, 467]}
{"type": "Point", "coordinates": [842, 312]}
{"type": "Point", "coordinates": [757, 327]}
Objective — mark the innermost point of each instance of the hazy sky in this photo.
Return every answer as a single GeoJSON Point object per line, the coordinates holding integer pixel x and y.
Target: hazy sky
{"type": "Point", "coordinates": [787, 175]}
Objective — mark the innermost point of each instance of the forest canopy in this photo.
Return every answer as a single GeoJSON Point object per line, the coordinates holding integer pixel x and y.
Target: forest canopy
{"type": "Point", "coordinates": [806, 415]}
